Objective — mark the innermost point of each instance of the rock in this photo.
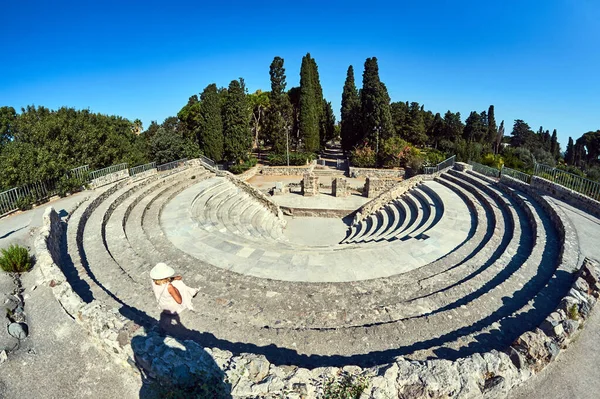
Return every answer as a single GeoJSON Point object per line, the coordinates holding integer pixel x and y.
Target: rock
{"type": "Point", "coordinates": [18, 330]}
{"type": "Point", "coordinates": [3, 357]}
{"type": "Point", "coordinates": [570, 326]}
{"type": "Point", "coordinates": [537, 347]}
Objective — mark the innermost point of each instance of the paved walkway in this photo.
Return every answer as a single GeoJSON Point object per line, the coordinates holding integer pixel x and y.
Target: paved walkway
{"type": "Point", "coordinates": [576, 373]}
{"type": "Point", "coordinates": [315, 230]}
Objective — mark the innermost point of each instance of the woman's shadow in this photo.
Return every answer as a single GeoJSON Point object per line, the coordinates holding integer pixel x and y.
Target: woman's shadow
{"type": "Point", "coordinates": [176, 368]}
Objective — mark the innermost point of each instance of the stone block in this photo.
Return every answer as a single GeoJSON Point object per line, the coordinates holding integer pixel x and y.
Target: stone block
{"type": "Point", "coordinates": [339, 187]}
{"type": "Point", "coordinates": [310, 185]}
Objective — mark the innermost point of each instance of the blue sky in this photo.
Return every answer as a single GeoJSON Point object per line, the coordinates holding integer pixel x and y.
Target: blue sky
{"type": "Point", "coordinates": [534, 60]}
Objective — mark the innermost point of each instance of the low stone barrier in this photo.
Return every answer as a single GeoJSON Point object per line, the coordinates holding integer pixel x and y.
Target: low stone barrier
{"type": "Point", "coordinates": [143, 175]}
{"type": "Point", "coordinates": [375, 186]}
{"type": "Point", "coordinates": [110, 178]}
{"type": "Point", "coordinates": [567, 195]}
{"type": "Point", "coordinates": [314, 212]}
{"type": "Point", "coordinates": [288, 170]}
{"type": "Point", "coordinates": [380, 173]}
{"type": "Point", "coordinates": [250, 173]}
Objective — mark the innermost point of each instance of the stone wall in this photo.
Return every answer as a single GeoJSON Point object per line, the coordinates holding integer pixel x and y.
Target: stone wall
{"type": "Point", "coordinates": [339, 187]}
{"type": "Point", "coordinates": [110, 178]}
{"type": "Point", "coordinates": [462, 167]}
{"type": "Point", "coordinates": [287, 170]}
{"type": "Point", "coordinates": [315, 212]}
{"type": "Point", "coordinates": [249, 174]}
{"type": "Point", "coordinates": [375, 186]}
{"type": "Point", "coordinates": [143, 175]}
{"type": "Point", "coordinates": [490, 375]}
{"type": "Point", "coordinates": [372, 172]}
{"type": "Point", "coordinates": [567, 195]}
{"type": "Point", "coordinates": [310, 185]}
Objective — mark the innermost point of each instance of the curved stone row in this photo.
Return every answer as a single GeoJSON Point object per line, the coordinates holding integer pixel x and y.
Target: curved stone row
{"type": "Point", "coordinates": [479, 295]}
{"type": "Point", "coordinates": [490, 374]}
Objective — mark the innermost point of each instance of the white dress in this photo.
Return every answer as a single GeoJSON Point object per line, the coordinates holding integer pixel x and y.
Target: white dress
{"type": "Point", "coordinates": [168, 303]}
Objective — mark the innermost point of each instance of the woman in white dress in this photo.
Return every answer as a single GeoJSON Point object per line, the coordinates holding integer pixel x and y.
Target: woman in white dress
{"type": "Point", "coordinates": [172, 295]}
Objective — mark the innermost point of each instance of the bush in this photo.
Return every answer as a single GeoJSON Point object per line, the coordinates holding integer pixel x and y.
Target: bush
{"type": "Point", "coordinates": [68, 185]}
{"type": "Point", "coordinates": [25, 203]}
{"type": "Point", "coordinates": [363, 157]}
{"type": "Point", "coordinates": [432, 157]}
{"type": "Point", "coordinates": [244, 166]}
{"type": "Point", "coordinates": [493, 161]}
{"type": "Point", "coordinates": [346, 386]}
{"type": "Point", "coordinates": [15, 259]}
{"type": "Point", "coordinates": [296, 158]}
{"type": "Point", "coordinates": [393, 154]}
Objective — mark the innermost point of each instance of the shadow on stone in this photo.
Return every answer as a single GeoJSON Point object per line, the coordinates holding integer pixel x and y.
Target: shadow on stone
{"type": "Point", "coordinates": [176, 368]}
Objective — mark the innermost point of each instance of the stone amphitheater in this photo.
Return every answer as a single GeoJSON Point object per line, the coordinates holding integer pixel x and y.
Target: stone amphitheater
{"type": "Point", "coordinates": [446, 285]}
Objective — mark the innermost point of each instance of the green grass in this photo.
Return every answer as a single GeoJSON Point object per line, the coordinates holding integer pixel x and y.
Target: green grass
{"type": "Point", "coordinates": [346, 386]}
{"type": "Point", "coordinates": [15, 259]}
{"type": "Point", "coordinates": [573, 313]}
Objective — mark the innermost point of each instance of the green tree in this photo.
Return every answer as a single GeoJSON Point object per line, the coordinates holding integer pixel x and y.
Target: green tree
{"type": "Point", "coordinates": [189, 116]}
{"type": "Point", "coordinates": [278, 121]}
{"type": "Point", "coordinates": [492, 129]}
{"type": "Point", "coordinates": [350, 112]}
{"type": "Point", "coordinates": [522, 135]}
{"type": "Point", "coordinates": [435, 132]}
{"type": "Point", "coordinates": [8, 118]}
{"type": "Point", "coordinates": [554, 145]}
{"type": "Point", "coordinates": [375, 106]}
{"type": "Point", "coordinates": [453, 126]}
{"type": "Point", "coordinates": [236, 123]}
{"type": "Point", "coordinates": [209, 131]}
{"type": "Point", "coordinates": [570, 153]}
{"type": "Point", "coordinates": [310, 110]}
{"type": "Point", "coordinates": [329, 123]}
{"type": "Point", "coordinates": [259, 103]}
{"type": "Point", "coordinates": [414, 131]}
{"type": "Point", "coordinates": [475, 129]}
{"type": "Point", "coordinates": [499, 138]}
{"type": "Point", "coordinates": [167, 145]}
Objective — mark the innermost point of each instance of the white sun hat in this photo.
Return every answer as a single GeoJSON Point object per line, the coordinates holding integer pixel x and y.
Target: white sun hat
{"type": "Point", "coordinates": [160, 271]}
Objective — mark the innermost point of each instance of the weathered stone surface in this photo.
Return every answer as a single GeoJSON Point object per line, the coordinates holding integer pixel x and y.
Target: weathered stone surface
{"type": "Point", "coordinates": [569, 196]}
{"type": "Point", "coordinates": [339, 187]}
{"type": "Point", "coordinates": [310, 185]}
{"type": "Point", "coordinates": [18, 330]}
{"type": "Point", "coordinates": [379, 173]}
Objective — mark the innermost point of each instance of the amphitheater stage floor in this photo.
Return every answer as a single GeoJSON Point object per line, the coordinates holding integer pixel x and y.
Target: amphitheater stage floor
{"type": "Point", "coordinates": [321, 201]}
{"type": "Point", "coordinates": [263, 182]}
{"type": "Point", "coordinates": [315, 231]}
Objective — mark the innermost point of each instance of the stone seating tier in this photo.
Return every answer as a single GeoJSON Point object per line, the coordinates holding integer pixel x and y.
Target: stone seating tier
{"type": "Point", "coordinates": [485, 289]}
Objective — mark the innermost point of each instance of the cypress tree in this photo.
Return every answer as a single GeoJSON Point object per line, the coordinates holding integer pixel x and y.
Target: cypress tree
{"type": "Point", "coordinates": [570, 153]}
{"type": "Point", "coordinates": [350, 112]}
{"type": "Point", "coordinates": [329, 123]}
{"type": "Point", "coordinates": [309, 109]}
{"type": "Point", "coordinates": [376, 116]}
{"type": "Point", "coordinates": [554, 146]}
{"type": "Point", "coordinates": [236, 123]}
{"type": "Point", "coordinates": [279, 114]}
{"type": "Point", "coordinates": [320, 102]}
{"type": "Point", "coordinates": [210, 126]}
{"type": "Point", "coordinates": [499, 137]}
{"type": "Point", "coordinates": [492, 129]}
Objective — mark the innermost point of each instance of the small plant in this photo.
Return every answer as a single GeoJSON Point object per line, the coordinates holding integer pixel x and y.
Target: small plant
{"type": "Point", "coordinates": [24, 203]}
{"type": "Point", "coordinates": [345, 386]}
{"type": "Point", "coordinates": [15, 259]}
{"type": "Point", "coordinates": [573, 312]}
{"type": "Point", "coordinates": [193, 177]}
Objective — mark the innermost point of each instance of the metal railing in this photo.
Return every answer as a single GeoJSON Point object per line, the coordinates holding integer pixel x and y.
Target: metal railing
{"type": "Point", "coordinates": [485, 170]}
{"type": "Point", "coordinates": [80, 173]}
{"type": "Point", "coordinates": [448, 163]}
{"type": "Point", "coordinates": [208, 161]}
{"type": "Point", "coordinates": [515, 174]}
{"type": "Point", "coordinates": [171, 165]}
{"type": "Point", "coordinates": [107, 171]}
{"type": "Point", "coordinates": [141, 168]}
{"type": "Point", "coordinates": [572, 181]}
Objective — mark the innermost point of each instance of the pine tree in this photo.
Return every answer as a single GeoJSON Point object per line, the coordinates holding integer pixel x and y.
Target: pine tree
{"type": "Point", "coordinates": [475, 129]}
{"type": "Point", "coordinates": [415, 126]}
{"type": "Point", "coordinates": [376, 116]}
{"type": "Point", "coordinates": [236, 123]}
{"type": "Point", "coordinates": [279, 115]}
{"type": "Point", "coordinates": [310, 110]}
{"type": "Point", "coordinates": [570, 153]}
{"type": "Point", "coordinates": [436, 130]}
{"type": "Point", "coordinates": [350, 112]}
{"type": "Point", "coordinates": [189, 116]}
{"type": "Point", "coordinates": [210, 127]}
{"type": "Point", "coordinates": [554, 146]}
{"type": "Point", "coordinates": [492, 129]}
{"type": "Point", "coordinates": [453, 126]}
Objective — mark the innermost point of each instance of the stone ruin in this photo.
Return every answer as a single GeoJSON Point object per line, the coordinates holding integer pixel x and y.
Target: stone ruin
{"type": "Point", "coordinates": [310, 185]}
{"type": "Point", "coordinates": [339, 187]}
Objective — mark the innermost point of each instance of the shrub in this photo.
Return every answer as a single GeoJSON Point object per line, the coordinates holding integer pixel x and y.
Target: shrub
{"type": "Point", "coordinates": [25, 203]}
{"type": "Point", "coordinates": [573, 313]}
{"type": "Point", "coordinates": [244, 166]}
{"type": "Point", "coordinates": [296, 158]}
{"type": "Point", "coordinates": [68, 185]}
{"type": "Point", "coordinates": [15, 259]}
{"type": "Point", "coordinates": [493, 161]}
{"type": "Point", "coordinates": [432, 157]}
{"type": "Point", "coordinates": [363, 157]}
{"type": "Point", "coordinates": [394, 152]}
{"type": "Point", "coordinates": [346, 386]}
